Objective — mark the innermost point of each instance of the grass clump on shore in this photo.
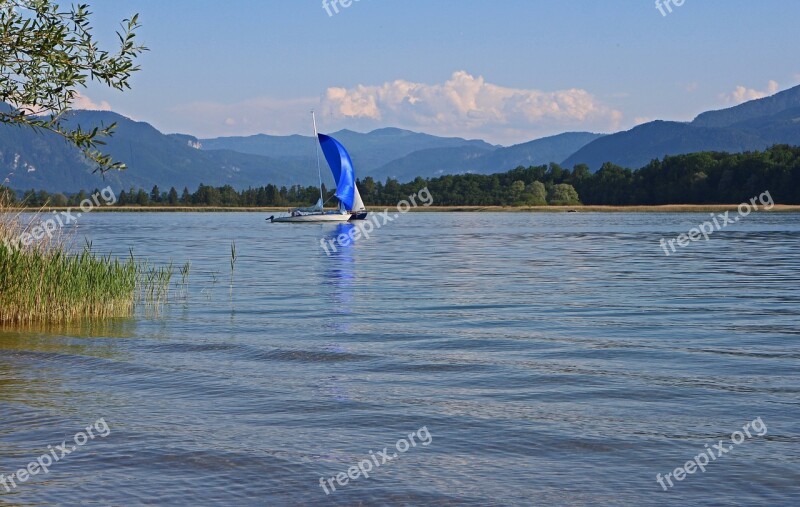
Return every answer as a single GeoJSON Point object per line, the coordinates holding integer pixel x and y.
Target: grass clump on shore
{"type": "Point", "coordinates": [41, 282]}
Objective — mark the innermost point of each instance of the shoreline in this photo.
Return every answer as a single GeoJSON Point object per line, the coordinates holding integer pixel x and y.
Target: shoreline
{"type": "Point", "coordinates": [667, 208]}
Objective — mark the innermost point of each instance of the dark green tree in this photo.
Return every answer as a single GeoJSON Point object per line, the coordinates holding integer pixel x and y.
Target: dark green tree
{"type": "Point", "coordinates": [77, 199]}
{"type": "Point", "coordinates": [535, 194]}
{"type": "Point", "coordinates": [516, 191]}
{"type": "Point", "coordinates": [59, 200]}
{"type": "Point", "coordinates": [563, 194]}
{"type": "Point", "coordinates": [228, 196]}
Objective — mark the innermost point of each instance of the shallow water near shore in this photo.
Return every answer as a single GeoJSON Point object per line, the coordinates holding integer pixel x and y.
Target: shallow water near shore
{"type": "Point", "coordinates": [555, 359]}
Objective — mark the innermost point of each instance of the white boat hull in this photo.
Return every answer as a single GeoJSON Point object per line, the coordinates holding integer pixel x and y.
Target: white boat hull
{"type": "Point", "coordinates": [314, 218]}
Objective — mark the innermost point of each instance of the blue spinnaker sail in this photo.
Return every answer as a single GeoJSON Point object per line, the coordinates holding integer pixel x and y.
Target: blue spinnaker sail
{"type": "Point", "coordinates": [342, 169]}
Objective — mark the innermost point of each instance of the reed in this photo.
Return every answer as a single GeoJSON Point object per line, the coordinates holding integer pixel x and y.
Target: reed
{"type": "Point", "coordinates": [44, 283]}
{"type": "Point", "coordinates": [184, 285]}
{"type": "Point", "coordinates": [233, 265]}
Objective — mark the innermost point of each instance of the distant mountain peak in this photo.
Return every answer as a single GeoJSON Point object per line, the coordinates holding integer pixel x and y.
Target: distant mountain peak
{"type": "Point", "coordinates": [750, 110]}
{"type": "Point", "coordinates": [390, 131]}
{"type": "Point", "coordinates": [92, 113]}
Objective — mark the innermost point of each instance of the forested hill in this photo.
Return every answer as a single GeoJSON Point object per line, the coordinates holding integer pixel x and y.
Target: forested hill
{"type": "Point", "coordinates": [698, 178]}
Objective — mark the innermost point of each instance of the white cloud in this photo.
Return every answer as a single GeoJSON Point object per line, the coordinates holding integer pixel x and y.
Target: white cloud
{"type": "Point", "coordinates": [78, 102]}
{"type": "Point", "coordinates": [83, 102]}
{"type": "Point", "coordinates": [464, 105]}
{"type": "Point", "coordinates": [469, 106]}
{"type": "Point", "coordinates": [743, 94]}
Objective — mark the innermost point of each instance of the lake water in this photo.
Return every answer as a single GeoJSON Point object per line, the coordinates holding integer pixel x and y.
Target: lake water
{"type": "Point", "coordinates": [545, 359]}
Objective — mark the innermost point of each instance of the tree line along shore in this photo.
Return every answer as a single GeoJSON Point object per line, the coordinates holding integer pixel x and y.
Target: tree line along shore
{"type": "Point", "coordinates": [700, 179]}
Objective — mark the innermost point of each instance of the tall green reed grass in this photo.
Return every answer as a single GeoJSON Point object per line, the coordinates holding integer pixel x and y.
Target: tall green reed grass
{"type": "Point", "coordinates": [44, 283]}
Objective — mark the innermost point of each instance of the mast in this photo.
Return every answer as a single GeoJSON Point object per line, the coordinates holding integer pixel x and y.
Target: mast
{"type": "Point", "coordinates": [316, 148]}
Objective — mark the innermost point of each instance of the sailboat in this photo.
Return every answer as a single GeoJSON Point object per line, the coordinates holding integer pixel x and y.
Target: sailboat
{"type": "Point", "coordinates": [351, 206]}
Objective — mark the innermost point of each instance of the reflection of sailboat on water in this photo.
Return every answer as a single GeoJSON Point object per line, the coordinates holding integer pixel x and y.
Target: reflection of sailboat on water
{"type": "Point", "coordinates": [339, 279]}
{"type": "Point", "coordinates": [340, 276]}
{"type": "Point", "coordinates": [351, 207]}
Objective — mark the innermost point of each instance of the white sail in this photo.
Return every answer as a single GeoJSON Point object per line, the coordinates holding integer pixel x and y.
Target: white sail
{"type": "Point", "coordinates": [358, 204]}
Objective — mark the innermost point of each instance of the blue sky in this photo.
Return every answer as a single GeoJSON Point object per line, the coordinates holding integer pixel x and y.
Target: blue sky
{"type": "Point", "coordinates": [506, 71]}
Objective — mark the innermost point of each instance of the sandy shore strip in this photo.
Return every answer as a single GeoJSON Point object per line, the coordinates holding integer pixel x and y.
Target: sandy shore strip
{"type": "Point", "coordinates": [669, 208]}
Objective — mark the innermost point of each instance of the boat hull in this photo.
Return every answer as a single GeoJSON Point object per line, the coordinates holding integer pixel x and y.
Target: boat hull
{"type": "Point", "coordinates": [311, 219]}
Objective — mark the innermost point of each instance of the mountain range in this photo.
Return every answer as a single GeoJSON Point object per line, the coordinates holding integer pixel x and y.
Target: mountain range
{"type": "Point", "coordinates": [42, 160]}
{"type": "Point", "coordinates": [750, 126]}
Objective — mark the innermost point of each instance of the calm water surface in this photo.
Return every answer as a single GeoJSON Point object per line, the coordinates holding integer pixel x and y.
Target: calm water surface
{"type": "Point", "coordinates": [555, 359]}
